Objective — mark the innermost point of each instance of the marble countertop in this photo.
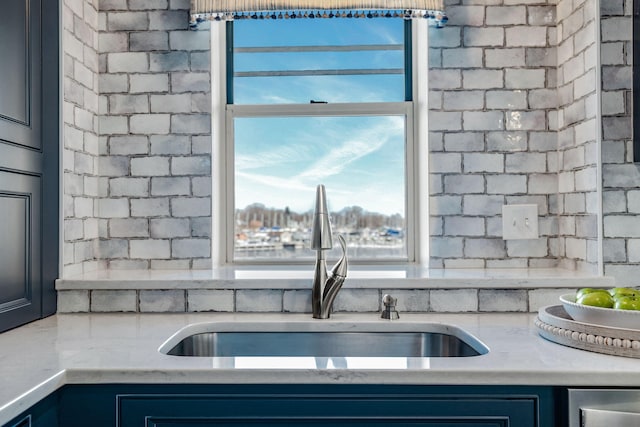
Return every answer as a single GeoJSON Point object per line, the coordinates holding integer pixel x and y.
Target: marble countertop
{"type": "Point", "coordinates": [38, 358]}
{"type": "Point", "coordinates": [298, 277]}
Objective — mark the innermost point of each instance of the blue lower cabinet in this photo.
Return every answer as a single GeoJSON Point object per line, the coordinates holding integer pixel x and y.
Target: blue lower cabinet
{"type": "Point", "coordinates": [309, 405]}
{"type": "Point", "coordinates": [42, 414]}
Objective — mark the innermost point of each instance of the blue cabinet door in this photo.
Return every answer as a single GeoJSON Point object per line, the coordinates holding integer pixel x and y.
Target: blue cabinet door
{"type": "Point", "coordinates": [42, 414]}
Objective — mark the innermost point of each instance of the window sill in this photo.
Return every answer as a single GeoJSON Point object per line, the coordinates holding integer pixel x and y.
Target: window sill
{"type": "Point", "coordinates": [360, 277]}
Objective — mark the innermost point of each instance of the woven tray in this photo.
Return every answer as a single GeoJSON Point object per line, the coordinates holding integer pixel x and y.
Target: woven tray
{"type": "Point", "coordinates": [556, 325]}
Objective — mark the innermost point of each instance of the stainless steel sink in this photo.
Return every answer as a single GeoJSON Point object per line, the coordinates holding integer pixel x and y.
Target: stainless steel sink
{"type": "Point", "coordinates": [442, 341]}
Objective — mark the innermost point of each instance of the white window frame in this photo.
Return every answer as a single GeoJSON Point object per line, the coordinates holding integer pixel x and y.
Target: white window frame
{"type": "Point", "coordinates": [416, 151]}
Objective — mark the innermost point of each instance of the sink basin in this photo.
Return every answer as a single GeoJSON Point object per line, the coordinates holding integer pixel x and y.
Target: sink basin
{"type": "Point", "coordinates": [425, 340]}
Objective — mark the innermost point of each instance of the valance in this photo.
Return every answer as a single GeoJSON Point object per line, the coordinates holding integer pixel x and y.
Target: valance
{"type": "Point", "coordinates": [202, 10]}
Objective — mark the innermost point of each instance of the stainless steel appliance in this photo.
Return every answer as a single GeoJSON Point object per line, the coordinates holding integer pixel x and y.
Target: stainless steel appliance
{"type": "Point", "coordinates": [604, 408]}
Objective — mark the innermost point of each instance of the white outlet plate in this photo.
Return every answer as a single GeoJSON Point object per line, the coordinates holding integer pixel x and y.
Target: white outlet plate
{"type": "Point", "coordinates": [519, 222]}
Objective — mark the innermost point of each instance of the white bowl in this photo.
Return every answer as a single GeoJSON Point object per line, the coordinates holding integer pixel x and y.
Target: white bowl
{"type": "Point", "coordinates": [629, 319]}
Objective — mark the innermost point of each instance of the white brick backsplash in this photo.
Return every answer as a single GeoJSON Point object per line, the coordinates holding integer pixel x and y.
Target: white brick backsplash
{"type": "Point", "coordinates": [524, 78]}
{"type": "Point", "coordinates": [73, 301]}
{"type": "Point", "coordinates": [249, 300]}
{"type": "Point", "coordinates": [463, 184]}
{"type": "Point", "coordinates": [169, 61]}
{"type": "Point", "coordinates": [129, 21]}
{"type": "Point", "coordinates": [445, 79]}
{"type": "Point", "coordinates": [158, 206]}
{"type": "Point", "coordinates": [527, 248]}
{"type": "Point", "coordinates": [150, 248]}
{"type": "Point", "coordinates": [199, 165]}
{"type": "Point", "coordinates": [463, 226]}
{"type": "Point", "coordinates": [462, 58]}
{"type": "Point", "coordinates": [168, 103]}
{"type": "Point", "coordinates": [150, 166]}
{"type": "Point", "coordinates": [150, 123]}
{"type": "Point", "coordinates": [113, 248]}
{"type": "Point", "coordinates": [506, 141]}
{"type": "Point", "coordinates": [474, 36]}
{"type": "Point", "coordinates": [470, 15]}
{"type": "Point", "coordinates": [622, 226]}
{"type": "Point", "coordinates": [502, 58]}
{"type": "Point", "coordinates": [409, 300]}
{"type": "Point", "coordinates": [498, 73]}
{"type": "Point", "coordinates": [454, 300]}
{"type": "Point", "coordinates": [190, 82]}
{"type": "Point", "coordinates": [112, 208]}
{"type": "Point", "coordinates": [144, 83]}
{"type": "Point", "coordinates": [162, 301]}
{"type": "Point", "coordinates": [136, 187]}
{"type": "Point", "coordinates": [482, 79]}
{"type": "Point", "coordinates": [170, 144]}
{"type": "Point", "coordinates": [147, 4]}
{"type": "Point", "coordinates": [189, 40]}
{"type": "Point", "coordinates": [297, 301]}
{"type": "Point", "coordinates": [483, 162]}
{"type": "Point", "coordinates": [191, 206]}
{"type": "Point", "coordinates": [446, 247]}
{"type": "Point", "coordinates": [191, 123]}
{"type": "Point", "coordinates": [506, 184]}
{"type": "Point", "coordinates": [170, 228]}
{"type": "Point", "coordinates": [358, 300]}
{"type": "Point", "coordinates": [190, 248]}
{"type": "Point", "coordinates": [129, 227]}
{"type": "Point", "coordinates": [113, 125]}
{"type": "Point", "coordinates": [113, 83]}
{"type": "Point", "coordinates": [446, 205]}
{"type": "Point", "coordinates": [210, 300]}
{"type": "Point", "coordinates": [113, 165]}
{"type": "Point", "coordinates": [179, 186]}
{"type": "Point", "coordinates": [484, 248]}
{"type": "Point", "coordinates": [482, 120]}
{"type": "Point", "coordinates": [488, 205]}
{"type": "Point", "coordinates": [445, 162]}
{"type": "Point", "coordinates": [503, 300]}
{"type": "Point", "coordinates": [128, 145]}
{"type": "Point", "coordinates": [124, 104]}
{"type": "Point", "coordinates": [127, 62]}
{"type": "Point", "coordinates": [113, 301]}
{"type": "Point", "coordinates": [467, 141]}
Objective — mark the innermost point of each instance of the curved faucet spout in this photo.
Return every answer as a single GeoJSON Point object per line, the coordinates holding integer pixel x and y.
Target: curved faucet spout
{"type": "Point", "coordinates": [334, 281]}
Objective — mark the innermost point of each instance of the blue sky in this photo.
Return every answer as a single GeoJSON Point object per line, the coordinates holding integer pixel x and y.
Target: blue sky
{"type": "Point", "coordinates": [279, 161]}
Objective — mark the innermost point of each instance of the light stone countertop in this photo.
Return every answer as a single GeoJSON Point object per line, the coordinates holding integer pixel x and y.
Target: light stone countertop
{"type": "Point", "coordinates": [299, 277]}
{"type": "Point", "coordinates": [38, 358]}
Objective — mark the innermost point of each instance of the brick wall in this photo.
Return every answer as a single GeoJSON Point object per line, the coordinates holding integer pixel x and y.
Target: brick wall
{"type": "Point", "coordinates": [137, 141]}
{"type": "Point", "coordinates": [81, 142]}
{"type": "Point", "coordinates": [155, 145]}
{"type": "Point", "coordinates": [578, 198]}
{"type": "Point", "coordinates": [493, 139]}
{"type": "Point", "coordinates": [621, 177]}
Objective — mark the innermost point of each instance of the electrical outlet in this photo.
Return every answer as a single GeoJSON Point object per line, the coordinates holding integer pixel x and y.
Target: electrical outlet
{"type": "Point", "coordinates": [519, 222]}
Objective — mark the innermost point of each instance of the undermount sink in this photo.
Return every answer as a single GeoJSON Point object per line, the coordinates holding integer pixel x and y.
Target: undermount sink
{"type": "Point", "coordinates": [343, 340]}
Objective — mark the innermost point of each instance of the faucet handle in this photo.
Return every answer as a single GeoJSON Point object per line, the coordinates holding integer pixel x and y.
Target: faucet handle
{"type": "Point", "coordinates": [389, 311]}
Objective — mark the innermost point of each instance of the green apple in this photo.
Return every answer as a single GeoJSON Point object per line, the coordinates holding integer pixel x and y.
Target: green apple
{"type": "Point", "coordinates": [627, 303]}
{"type": "Point", "coordinates": [624, 292]}
{"type": "Point", "coordinates": [596, 299]}
{"type": "Point", "coordinates": [584, 291]}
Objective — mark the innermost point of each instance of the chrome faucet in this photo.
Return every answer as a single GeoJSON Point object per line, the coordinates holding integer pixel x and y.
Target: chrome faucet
{"type": "Point", "coordinates": [325, 285]}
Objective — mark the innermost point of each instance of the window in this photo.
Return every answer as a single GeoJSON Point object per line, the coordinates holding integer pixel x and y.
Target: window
{"type": "Point", "coordinates": [308, 102]}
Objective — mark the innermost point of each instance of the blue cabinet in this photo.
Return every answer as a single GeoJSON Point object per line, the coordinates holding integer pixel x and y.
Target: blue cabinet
{"type": "Point", "coordinates": [308, 405]}
{"type": "Point", "coordinates": [234, 405]}
{"type": "Point", "coordinates": [43, 414]}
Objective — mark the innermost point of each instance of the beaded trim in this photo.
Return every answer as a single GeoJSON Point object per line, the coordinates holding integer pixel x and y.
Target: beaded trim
{"type": "Point", "coordinates": [583, 337]}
